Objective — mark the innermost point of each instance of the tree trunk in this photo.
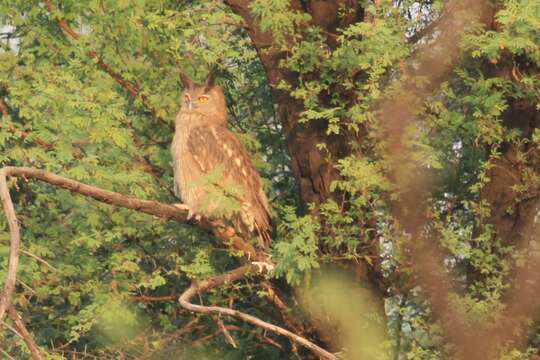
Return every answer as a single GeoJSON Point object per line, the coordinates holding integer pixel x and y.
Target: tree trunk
{"type": "Point", "coordinates": [512, 195]}
{"type": "Point", "coordinates": [513, 211]}
{"type": "Point", "coordinates": [312, 168]}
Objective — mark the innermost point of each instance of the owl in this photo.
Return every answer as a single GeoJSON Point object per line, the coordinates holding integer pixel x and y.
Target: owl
{"type": "Point", "coordinates": [212, 168]}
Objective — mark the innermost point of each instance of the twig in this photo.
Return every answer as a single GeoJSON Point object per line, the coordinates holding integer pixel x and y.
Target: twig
{"type": "Point", "coordinates": [25, 334]}
{"type": "Point", "coordinates": [226, 333]}
{"type": "Point", "coordinates": [37, 258]}
{"type": "Point", "coordinates": [205, 338]}
{"type": "Point", "coordinates": [12, 329]}
{"type": "Point", "coordinates": [7, 355]}
{"type": "Point", "coordinates": [203, 286]}
{"type": "Point", "coordinates": [146, 298]}
{"type": "Point", "coordinates": [26, 286]}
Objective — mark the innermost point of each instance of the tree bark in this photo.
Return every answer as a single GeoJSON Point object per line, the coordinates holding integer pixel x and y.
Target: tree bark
{"type": "Point", "coordinates": [512, 195]}
{"type": "Point", "coordinates": [513, 211]}
{"type": "Point", "coordinates": [312, 168]}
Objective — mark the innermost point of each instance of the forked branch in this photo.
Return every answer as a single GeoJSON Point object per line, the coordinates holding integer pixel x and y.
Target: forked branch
{"type": "Point", "coordinates": [20, 330]}
{"type": "Point", "coordinates": [25, 334]}
{"type": "Point", "coordinates": [236, 274]}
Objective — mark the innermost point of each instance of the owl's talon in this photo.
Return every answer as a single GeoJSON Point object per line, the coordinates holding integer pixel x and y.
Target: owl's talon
{"type": "Point", "coordinates": [263, 266]}
{"type": "Point", "coordinates": [191, 216]}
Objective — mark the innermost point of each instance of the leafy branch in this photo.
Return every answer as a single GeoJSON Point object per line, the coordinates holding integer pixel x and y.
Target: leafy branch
{"type": "Point", "coordinates": [236, 274]}
{"type": "Point", "coordinates": [166, 211]}
{"type": "Point", "coordinates": [25, 334]}
{"type": "Point", "coordinates": [131, 88]}
{"type": "Point", "coordinates": [178, 212]}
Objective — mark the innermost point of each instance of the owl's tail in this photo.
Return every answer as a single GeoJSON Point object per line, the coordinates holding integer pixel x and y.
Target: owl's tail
{"type": "Point", "coordinates": [257, 220]}
{"type": "Point", "coordinates": [265, 236]}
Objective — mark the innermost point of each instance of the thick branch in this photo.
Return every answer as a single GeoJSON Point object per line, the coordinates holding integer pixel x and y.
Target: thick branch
{"type": "Point", "coordinates": [25, 334]}
{"type": "Point", "coordinates": [3, 108]}
{"type": "Point", "coordinates": [9, 284]}
{"type": "Point", "coordinates": [20, 133]}
{"type": "Point", "coordinates": [201, 287]}
{"type": "Point", "coordinates": [166, 211]}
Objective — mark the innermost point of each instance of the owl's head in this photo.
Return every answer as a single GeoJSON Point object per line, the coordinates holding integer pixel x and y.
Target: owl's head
{"type": "Point", "coordinates": [207, 99]}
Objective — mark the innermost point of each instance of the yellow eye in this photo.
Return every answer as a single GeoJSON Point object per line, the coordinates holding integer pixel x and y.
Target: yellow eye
{"type": "Point", "coordinates": [203, 98]}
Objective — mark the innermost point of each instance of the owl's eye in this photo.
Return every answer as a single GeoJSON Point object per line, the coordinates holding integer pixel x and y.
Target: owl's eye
{"type": "Point", "coordinates": [203, 98]}
{"type": "Point", "coordinates": [186, 97]}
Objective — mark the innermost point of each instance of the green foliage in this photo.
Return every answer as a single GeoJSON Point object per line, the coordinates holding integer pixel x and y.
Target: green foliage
{"type": "Point", "coordinates": [101, 135]}
{"type": "Point", "coordinates": [347, 305]}
{"type": "Point", "coordinates": [275, 16]}
{"type": "Point", "coordinates": [519, 21]}
{"type": "Point", "coordinates": [297, 252]}
{"type": "Point", "coordinates": [222, 197]}
{"type": "Point", "coordinates": [85, 265]}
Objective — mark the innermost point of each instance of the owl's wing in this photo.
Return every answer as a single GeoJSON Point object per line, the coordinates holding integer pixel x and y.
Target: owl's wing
{"type": "Point", "coordinates": [217, 146]}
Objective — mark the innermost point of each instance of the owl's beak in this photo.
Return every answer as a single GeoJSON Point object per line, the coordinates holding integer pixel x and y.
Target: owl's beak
{"type": "Point", "coordinates": [190, 105]}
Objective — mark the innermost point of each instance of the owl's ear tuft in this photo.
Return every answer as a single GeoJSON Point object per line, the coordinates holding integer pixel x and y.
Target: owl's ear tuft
{"type": "Point", "coordinates": [210, 81]}
{"type": "Point", "coordinates": [186, 81]}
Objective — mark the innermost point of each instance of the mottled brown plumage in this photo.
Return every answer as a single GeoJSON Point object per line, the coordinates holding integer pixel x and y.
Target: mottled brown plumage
{"type": "Point", "coordinates": [211, 166]}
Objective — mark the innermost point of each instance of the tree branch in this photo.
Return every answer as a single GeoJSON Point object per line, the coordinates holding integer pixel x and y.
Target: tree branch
{"type": "Point", "coordinates": [147, 298]}
{"type": "Point", "coordinates": [236, 274]}
{"type": "Point", "coordinates": [180, 213]}
{"type": "Point", "coordinates": [4, 110]}
{"type": "Point", "coordinates": [132, 89]}
{"type": "Point", "coordinates": [39, 259]}
{"type": "Point", "coordinates": [15, 241]}
{"type": "Point", "coordinates": [25, 334]}
{"type": "Point", "coordinates": [3, 107]}
{"type": "Point", "coordinates": [429, 29]}
{"type": "Point", "coordinates": [226, 333]}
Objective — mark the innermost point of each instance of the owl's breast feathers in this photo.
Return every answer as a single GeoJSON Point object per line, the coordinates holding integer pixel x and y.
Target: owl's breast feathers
{"type": "Point", "coordinates": [204, 148]}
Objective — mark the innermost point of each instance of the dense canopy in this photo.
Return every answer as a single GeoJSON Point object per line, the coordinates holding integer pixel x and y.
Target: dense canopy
{"type": "Point", "coordinates": [398, 142]}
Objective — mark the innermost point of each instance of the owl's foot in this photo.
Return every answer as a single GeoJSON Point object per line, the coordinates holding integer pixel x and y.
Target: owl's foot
{"type": "Point", "coordinates": [263, 266]}
{"type": "Point", "coordinates": [181, 206]}
{"type": "Point", "coordinates": [191, 215]}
